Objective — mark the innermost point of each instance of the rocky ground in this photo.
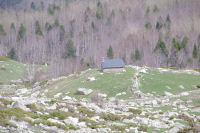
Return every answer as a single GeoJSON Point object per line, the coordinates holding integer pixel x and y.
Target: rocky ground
{"type": "Point", "coordinates": [30, 110]}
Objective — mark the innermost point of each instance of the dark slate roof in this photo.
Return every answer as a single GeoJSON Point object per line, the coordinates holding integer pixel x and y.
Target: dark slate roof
{"type": "Point", "coordinates": [113, 63]}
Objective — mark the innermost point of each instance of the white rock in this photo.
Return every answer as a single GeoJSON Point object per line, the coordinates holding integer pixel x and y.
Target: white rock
{"type": "Point", "coordinates": [19, 105]}
{"type": "Point", "coordinates": [82, 125]}
{"type": "Point", "coordinates": [154, 102]}
{"type": "Point", "coordinates": [91, 79]}
{"type": "Point", "coordinates": [184, 94]}
{"type": "Point", "coordinates": [71, 120]}
{"type": "Point", "coordinates": [84, 91]}
{"type": "Point", "coordinates": [52, 107]}
{"type": "Point", "coordinates": [181, 86]}
{"type": "Point", "coordinates": [95, 118]}
{"type": "Point", "coordinates": [102, 95]}
{"type": "Point", "coordinates": [168, 93]}
{"type": "Point", "coordinates": [55, 121]}
{"type": "Point", "coordinates": [36, 94]}
{"type": "Point", "coordinates": [57, 95]}
{"type": "Point", "coordinates": [119, 94]}
{"type": "Point", "coordinates": [67, 98]}
{"type": "Point", "coordinates": [63, 109]}
{"type": "Point", "coordinates": [123, 93]}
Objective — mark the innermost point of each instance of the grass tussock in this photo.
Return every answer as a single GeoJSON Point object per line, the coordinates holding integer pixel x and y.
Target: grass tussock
{"type": "Point", "coordinates": [135, 111]}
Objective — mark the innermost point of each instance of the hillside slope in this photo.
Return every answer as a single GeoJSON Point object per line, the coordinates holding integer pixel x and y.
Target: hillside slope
{"type": "Point", "coordinates": [141, 99]}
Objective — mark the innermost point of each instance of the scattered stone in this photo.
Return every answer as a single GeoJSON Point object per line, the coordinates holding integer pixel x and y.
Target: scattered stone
{"type": "Point", "coordinates": [167, 93]}
{"type": "Point", "coordinates": [196, 109]}
{"type": "Point", "coordinates": [71, 120]}
{"type": "Point", "coordinates": [19, 105]}
{"type": "Point", "coordinates": [184, 94]}
{"type": "Point", "coordinates": [67, 98]}
{"type": "Point", "coordinates": [91, 79]}
{"type": "Point", "coordinates": [181, 86]}
{"type": "Point", "coordinates": [83, 91]}
{"type": "Point", "coordinates": [57, 95]}
{"type": "Point", "coordinates": [102, 95]}
{"type": "Point", "coordinates": [55, 121]}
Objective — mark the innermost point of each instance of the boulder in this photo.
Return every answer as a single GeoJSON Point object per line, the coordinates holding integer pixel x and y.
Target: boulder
{"type": "Point", "coordinates": [184, 94]}
{"type": "Point", "coordinates": [167, 93]}
{"type": "Point", "coordinates": [67, 98]}
{"type": "Point", "coordinates": [91, 79]}
{"type": "Point", "coordinates": [57, 95]}
{"type": "Point", "coordinates": [83, 91]}
{"type": "Point", "coordinates": [102, 95]}
{"type": "Point", "coordinates": [19, 105]}
{"type": "Point", "coordinates": [181, 86]}
{"type": "Point", "coordinates": [71, 120]}
{"type": "Point", "coordinates": [55, 121]}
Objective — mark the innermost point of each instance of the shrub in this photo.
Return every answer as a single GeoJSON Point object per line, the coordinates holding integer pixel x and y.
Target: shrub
{"type": "Point", "coordinates": [86, 111]}
{"type": "Point", "coordinates": [60, 115]}
{"type": "Point", "coordinates": [135, 111]}
{"type": "Point", "coordinates": [142, 128]}
{"type": "Point", "coordinates": [70, 50]}
{"type": "Point", "coordinates": [5, 102]}
{"type": "Point", "coordinates": [3, 68]}
{"type": "Point", "coordinates": [2, 31]}
{"type": "Point", "coordinates": [38, 30]}
{"type": "Point", "coordinates": [32, 107]}
{"type": "Point", "coordinates": [21, 33]}
{"type": "Point", "coordinates": [43, 82]}
{"type": "Point", "coordinates": [110, 53]}
{"type": "Point", "coordinates": [110, 117]}
{"type": "Point", "coordinates": [12, 54]}
{"type": "Point", "coordinates": [117, 127]}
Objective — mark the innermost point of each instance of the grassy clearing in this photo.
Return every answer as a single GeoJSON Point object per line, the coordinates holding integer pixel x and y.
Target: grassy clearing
{"type": "Point", "coordinates": [109, 83]}
{"type": "Point", "coordinates": [155, 81]}
{"type": "Point", "coordinates": [12, 70]}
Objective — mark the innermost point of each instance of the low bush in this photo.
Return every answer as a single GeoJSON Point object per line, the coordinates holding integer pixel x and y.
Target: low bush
{"type": "Point", "coordinates": [143, 128]}
{"type": "Point", "coordinates": [135, 111]}
{"type": "Point", "coordinates": [110, 117]}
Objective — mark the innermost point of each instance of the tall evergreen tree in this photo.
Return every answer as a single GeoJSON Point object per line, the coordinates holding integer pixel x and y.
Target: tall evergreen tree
{"type": "Point", "coordinates": [38, 30]}
{"type": "Point", "coordinates": [195, 51]}
{"type": "Point", "coordinates": [70, 49]}
{"type": "Point", "coordinates": [21, 33]}
{"type": "Point", "coordinates": [12, 54]}
{"type": "Point", "coordinates": [110, 53]}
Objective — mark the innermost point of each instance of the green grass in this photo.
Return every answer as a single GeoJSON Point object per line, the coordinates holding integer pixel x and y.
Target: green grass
{"type": "Point", "coordinates": [109, 83]}
{"type": "Point", "coordinates": [163, 108]}
{"type": "Point", "coordinates": [155, 81]}
{"type": "Point", "coordinates": [13, 70]}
